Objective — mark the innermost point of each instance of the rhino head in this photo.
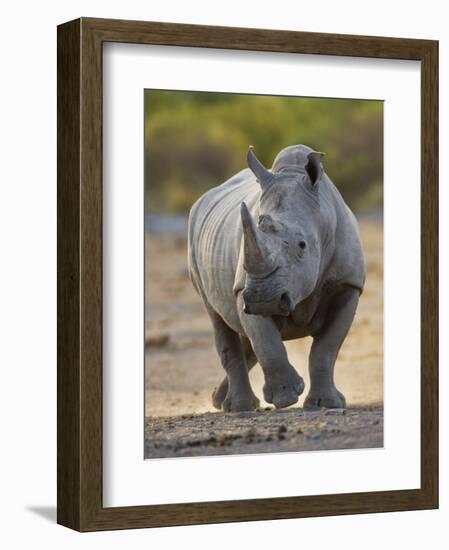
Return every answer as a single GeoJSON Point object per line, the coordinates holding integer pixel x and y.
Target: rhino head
{"type": "Point", "coordinates": [282, 248]}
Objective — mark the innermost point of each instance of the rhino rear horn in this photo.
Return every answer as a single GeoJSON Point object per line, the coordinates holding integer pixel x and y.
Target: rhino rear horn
{"type": "Point", "coordinates": [314, 167]}
{"type": "Point", "coordinates": [257, 258]}
{"type": "Point", "coordinates": [264, 176]}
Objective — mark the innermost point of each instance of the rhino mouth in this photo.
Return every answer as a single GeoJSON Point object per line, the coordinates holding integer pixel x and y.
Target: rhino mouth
{"type": "Point", "coordinates": [279, 305]}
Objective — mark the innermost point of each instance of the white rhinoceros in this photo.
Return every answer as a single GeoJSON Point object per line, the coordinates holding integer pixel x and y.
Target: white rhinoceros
{"type": "Point", "coordinates": [276, 255]}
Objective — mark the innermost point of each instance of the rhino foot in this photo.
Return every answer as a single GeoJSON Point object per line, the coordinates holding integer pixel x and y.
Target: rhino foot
{"type": "Point", "coordinates": [283, 389]}
{"type": "Point", "coordinates": [219, 394]}
{"type": "Point", "coordinates": [329, 398]}
{"type": "Point", "coordinates": [239, 403]}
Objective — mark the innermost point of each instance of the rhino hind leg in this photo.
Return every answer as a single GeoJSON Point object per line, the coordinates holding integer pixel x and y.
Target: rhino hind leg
{"type": "Point", "coordinates": [220, 392]}
{"type": "Point", "coordinates": [239, 395]}
{"type": "Point", "coordinates": [324, 351]}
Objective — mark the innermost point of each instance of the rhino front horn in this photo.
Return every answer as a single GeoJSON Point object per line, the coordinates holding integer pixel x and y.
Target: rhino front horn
{"type": "Point", "coordinates": [264, 176]}
{"type": "Point", "coordinates": [257, 258]}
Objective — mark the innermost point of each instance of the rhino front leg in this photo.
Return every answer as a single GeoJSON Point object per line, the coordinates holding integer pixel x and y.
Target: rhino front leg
{"type": "Point", "coordinates": [239, 395]}
{"type": "Point", "coordinates": [283, 385]}
{"type": "Point", "coordinates": [324, 351]}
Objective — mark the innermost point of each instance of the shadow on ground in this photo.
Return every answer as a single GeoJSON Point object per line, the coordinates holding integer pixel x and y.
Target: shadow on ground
{"type": "Point", "coordinates": [46, 512]}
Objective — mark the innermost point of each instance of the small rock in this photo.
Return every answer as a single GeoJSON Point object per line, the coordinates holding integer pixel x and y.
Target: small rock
{"type": "Point", "coordinates": [157, 340]}
{"type": "Point", "coordinates": [225, 439]}
{"type": "Point", "coordinates": [334, 411]}
{"type": "Point", "coordinates": [282, 431]}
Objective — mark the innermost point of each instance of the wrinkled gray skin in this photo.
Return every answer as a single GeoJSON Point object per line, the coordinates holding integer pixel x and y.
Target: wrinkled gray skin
{"type": "Point", "coordinates": [276, 255]}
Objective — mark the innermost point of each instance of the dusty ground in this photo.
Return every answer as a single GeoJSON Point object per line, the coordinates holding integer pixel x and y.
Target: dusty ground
{"type": "Point", "coordinates": [263, 432]}
{"type": "Point", "coordinates": [182, 369]}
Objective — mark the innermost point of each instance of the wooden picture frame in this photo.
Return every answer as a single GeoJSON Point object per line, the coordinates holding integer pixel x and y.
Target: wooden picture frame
{"type": "Point", "coordinates": [80, 504]}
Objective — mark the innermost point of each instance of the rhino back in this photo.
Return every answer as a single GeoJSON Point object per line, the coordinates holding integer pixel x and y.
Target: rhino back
{"type": "Point", "coordinates": [348, 263]}
{"type": "Point", "coordinates": [214, 242]}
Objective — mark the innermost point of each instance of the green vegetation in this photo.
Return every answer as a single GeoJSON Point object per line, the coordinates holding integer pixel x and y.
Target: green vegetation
{"type": "Point", "coordinates": [197, 140]}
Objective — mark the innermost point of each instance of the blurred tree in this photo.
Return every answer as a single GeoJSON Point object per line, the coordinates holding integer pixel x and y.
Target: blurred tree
{"type": "Point", "coordinates": [196, 140]}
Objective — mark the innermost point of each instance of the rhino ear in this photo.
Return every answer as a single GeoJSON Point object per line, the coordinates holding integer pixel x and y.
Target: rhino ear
{"type": "Point", "coordinates": [264, 176]}
{"type": "Point", "coordinates": [314, 167]}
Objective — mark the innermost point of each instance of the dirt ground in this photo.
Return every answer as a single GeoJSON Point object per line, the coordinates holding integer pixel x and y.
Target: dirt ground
{"type": "Point", "coordinates": [263, 432]}
{"type": "Point", "coordinates": [182, 369]}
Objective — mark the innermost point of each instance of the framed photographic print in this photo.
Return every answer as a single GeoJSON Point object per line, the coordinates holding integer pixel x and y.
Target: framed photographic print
{"type": "Point", "coordinates": [247, 274]}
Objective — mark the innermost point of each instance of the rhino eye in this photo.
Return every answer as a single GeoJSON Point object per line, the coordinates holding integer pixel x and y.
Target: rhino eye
{"type": "Point", "coordinates": [302, 245]}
